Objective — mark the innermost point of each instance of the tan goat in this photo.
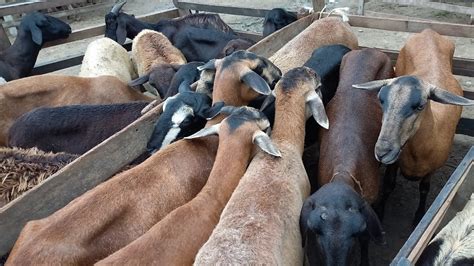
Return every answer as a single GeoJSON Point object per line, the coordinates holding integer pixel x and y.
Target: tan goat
{"type": "Point", "coordinates": [420, 113]}
{"type": "Point", "coordinates": [122, 209]}
{"type": "Point", "coordinates": [259, 225]}
{"type": "Point", "coordinates": [23, 95]}
{"type": "Point", "coordinates": [151, 48]}
{"type": "Point", "coordinates": [176, 239]}
{"type": "Point", "coordinates": [321, 32]}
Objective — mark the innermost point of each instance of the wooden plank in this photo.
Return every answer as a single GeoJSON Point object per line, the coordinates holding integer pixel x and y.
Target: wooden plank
{"type": "Point", "coordinates": [84, 173]}
{"type": "Point", "coordinates": [241, 11]}
{"type": "Point", "coordinates": [272, 43]}
{"type": "Point", "coordinates": [392, 24]}
{"type": "Point", "coordinates": [387, 15]}
{"type": "Point", "coordinates": [420, 237]}
{"type": "Point", "coordinates": [435, 5]}
{"type": "Point", "coordinates": [25, 7]}
{"type": "Point", "coordinates": [318, 5]}
{"type": "Point", "coordinates": [100, 29]}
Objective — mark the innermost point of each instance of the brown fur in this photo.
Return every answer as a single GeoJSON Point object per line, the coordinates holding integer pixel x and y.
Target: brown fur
{"type": "Point", "coordinates": [429, 56]}
{"type": "Point", "coordinates": [151, 48]}
{"type": "Point", "coordinates": [23, 95]}
{"type": "Point", "coordinates": [123, 208]}
{"type": "Point", "coordinates": [259, 225]}
{"type": "Point", "coordinates": [23, 169]}
{"type": "Point", "coordinates": [347, 148]}
{"type": "Point", "coordinates": [321, 32]}
{"type": "Point", "coordinates": [176, 239]}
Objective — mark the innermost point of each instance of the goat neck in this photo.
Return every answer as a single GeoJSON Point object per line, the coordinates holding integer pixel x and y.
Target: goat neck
{"type": "Point", "coordinates": [21, 55]}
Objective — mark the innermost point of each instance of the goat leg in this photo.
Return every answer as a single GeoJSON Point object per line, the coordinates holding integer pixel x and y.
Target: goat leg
{"type": "Point", "coordinates": [424, 188]}
{"type": "Point", "coordinates": [389, 182]}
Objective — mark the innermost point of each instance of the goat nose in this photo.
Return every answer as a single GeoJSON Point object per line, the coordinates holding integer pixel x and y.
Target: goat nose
{"type": "Point", "coordinates": [386, 152]}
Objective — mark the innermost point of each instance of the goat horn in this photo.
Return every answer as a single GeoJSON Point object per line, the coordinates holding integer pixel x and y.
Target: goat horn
{"type": "Point", "coordinates": [117, 7]}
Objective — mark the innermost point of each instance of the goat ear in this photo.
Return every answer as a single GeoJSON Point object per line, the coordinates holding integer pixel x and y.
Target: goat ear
{"type": "Point", "coordinates": [36, 34]}
{"type": "Point", "coordinates": [213, 111]}
{"type": "Point", "coordinates": [373, 85]}
{"type": "Point", "coordinates": [263, 141]}
{"type": "Point", "coordinates": [444, 96]}
{"type": "Point", "coordinates": [257, 83]}
{"type": "Point", "coordinates": [374, 227]}
{"type": "Point", "coordinates": [316, 106]}
{"type": "Point", "coordinates": [184, 87]}
{"type": "Point", "coordinates": [121, 31]}
{"type": "Point", "coordinates": [139, 81]}
{"type": "Point", "coordinates": [207, 131]}
{"type": "Point", "coordinates": [269, 100]}
{"type": "Point", "coordinates": [211, 65]}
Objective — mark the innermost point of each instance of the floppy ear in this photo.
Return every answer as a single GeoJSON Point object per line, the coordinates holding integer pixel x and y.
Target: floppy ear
{"type": "Point", "coordinates": [374, 227]}
{"type": "Point", "coordinates": [444, 96]}
{"type": "Point", "coordinates": [210, 65]}
{"type": "Point", "coordinates": [213, 111]}
{"type": "Point", "coordinates": [373, 85]}
{"type": "Point", "coordinates": [121, 31]}
{"type": "Point", "coordinates": [317, 109]}
{"type": "Point", "coordinates": [139, 81]}
{"type": "Point", "coordinates": [257, 83]}
{"type": "Point", "coordinates": [207, 131]}
{"type": "Point", "coordinates": [36, 34]}
{"type": "Point", "coordinates": [184, 87]}
{"type": "Point", "coordinates": [263, 141]}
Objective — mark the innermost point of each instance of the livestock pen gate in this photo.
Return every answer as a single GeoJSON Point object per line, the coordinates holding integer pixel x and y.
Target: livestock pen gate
{"type": "Point", "coordinates": [103, 161]}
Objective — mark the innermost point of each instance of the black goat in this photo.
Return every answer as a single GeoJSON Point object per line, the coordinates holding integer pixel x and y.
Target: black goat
{"type": "Point", "coordinates": [276, 19]}
{"type": "Point", "coordinates": [35, 29]}
{"type": "Point", "coordinates": [200, 37]}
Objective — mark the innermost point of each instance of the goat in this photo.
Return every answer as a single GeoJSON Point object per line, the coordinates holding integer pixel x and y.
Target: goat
{"type": "Point", "coordinates": [106, 219]}
{"type": "Point", "coordinates": [175, 240]}
{"type": "Point", "coordinates": [340, 211]}
{"type": "Point", "coordinates": [276, 19]}
{"type": "Point", "coordinates": [321, 32]}
{"type": "Point", "coordinates": [419, 112]}
{"type": "Point", "coordinates": [22, 169]}
{"type": "Point", "coordinates": [454, 244]}
{"type": "Point", "coordinates": [106, 57]}
{"type": "Point", "coordinates": [35, 29]}
{"type": "Point", "coordinates": [151, 48]}
{"type": "Point", "coordinates": [235, 45]}
{"type": "Point", "coordinates": [168, 78]}
{"type": "Point", "coordinates": [119, 25]}
{"type": "Point", "coordinates": [21, 96]}
{"type": "Point", "coordinates": [259, 225]}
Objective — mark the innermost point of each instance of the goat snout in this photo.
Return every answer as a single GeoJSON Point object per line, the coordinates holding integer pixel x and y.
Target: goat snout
{"type": "Point", "coordinates": [386, 152]}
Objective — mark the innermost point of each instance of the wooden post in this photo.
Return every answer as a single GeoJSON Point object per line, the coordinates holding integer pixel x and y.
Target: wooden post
{"type": "Point", "coordinates": [181, 12]}
{"type": "Point", "coordinates": [318, 5]}
{"type": "Point", "coordinates": [360, 7]}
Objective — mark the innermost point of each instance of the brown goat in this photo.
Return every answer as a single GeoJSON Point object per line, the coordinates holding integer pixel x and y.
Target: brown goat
{"type": "Point", "coordinates": [348, 171]}
{"type": "Point", "coordinates": [22, 169]}
{"type": "Point", "coordinates": [23, 95]}
{"type": "Point", "coordinates": [259, 225]}
{"type": "Point", "coordinates": [420, 112]}
{"type": "Point", "coordinates": [122, 209]}
{"type": "Point", "coordinates": [321, 32]}
{"type": "Point", "coordinates": [176, 239]}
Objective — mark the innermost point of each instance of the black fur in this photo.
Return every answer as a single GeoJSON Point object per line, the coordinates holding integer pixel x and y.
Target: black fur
{"type": "Point", "coordinates": [276, 19]}
{"type": "Point", "coordinates": [35, 29]}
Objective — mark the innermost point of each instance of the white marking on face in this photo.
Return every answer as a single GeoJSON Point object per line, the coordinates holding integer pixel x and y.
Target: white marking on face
{"type": "Point", "coordinates": [170, 136]}
{"type": "Point", "coordinates": [2, 81]}
{"type": "Point", "coordinates": [177, 118]}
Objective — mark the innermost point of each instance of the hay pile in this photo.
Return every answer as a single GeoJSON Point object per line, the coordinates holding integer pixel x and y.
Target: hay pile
{"type": "Point", "coordinates": [22, 169]}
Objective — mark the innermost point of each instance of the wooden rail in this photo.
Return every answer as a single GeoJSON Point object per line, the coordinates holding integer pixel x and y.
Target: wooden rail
{"type": "Point", "coordinates": [30, 6]}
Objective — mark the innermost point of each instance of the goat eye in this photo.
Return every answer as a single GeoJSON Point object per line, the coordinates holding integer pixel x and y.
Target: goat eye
{"type": "Point", "coordinates": [420, 107]}
{"type": "Point", "coordinates": [353, 209]}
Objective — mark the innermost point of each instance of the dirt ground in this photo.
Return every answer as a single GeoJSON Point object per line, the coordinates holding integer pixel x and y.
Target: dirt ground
{"type": "Point", "coordinates": [403, 201]}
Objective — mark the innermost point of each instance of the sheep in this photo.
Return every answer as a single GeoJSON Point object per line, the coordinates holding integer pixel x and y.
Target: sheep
{"type": "Point", "coordinates": [21, 96]}
{"type": "Point", "coordinates": [123, 208]}
{"type": "Point", "coordinates": [106, 57]}
{"type": "Point", "coordinates": [321, 32]}
{"type": "Point", "coordinates": [421, 110]}
{"type": "Point", "coordinates": [259, 225]}
{"type": "Point", "coordinates": [35, 29]}
{"type": "Point", "coordinates": [175, 240]}
{"type": "Point", "coordinates": [168, 78]}
{"type": "Point", "coordinates": [340, 210]}
{"type": "Point", "coordinates": [22, 169]}
{"type": "Point", "coordinates": [151, 48]}
{"type": "Point", "coordinates": [276, 19]}
{"type": "Point", "coordinates": [454, 244]}
{"type": "Point", "coordinates": [119, 25]}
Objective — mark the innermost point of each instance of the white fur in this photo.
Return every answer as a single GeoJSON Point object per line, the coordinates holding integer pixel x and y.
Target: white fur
{"type": "Point", "coordinates": [106, 57]}
{"type": "Point", "coordinates": [2, 81]}
{"type": "Point", "coordinates": [177, 118]}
